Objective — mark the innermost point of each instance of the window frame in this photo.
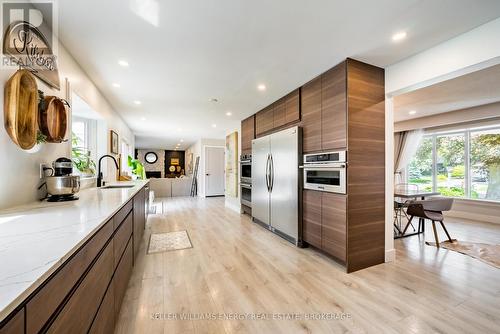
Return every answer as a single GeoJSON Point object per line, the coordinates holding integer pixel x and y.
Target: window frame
{"type": "Point", "coordinates": [466, 132]}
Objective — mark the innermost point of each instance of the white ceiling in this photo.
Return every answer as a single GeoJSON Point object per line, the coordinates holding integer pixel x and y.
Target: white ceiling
{"type": "Point", "coordinates": [470, 90]}
{"type": "Point", "coordinates": [182, 53]}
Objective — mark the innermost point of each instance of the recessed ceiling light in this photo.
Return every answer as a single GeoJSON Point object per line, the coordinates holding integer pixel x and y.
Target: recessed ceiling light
{"type": "Point", "coordinates": [399, 36]}
{"type": "Point", "coordinates": [143, 118]}
{"type": "Point", "coordinates": [412, 112]}
{"type": "Point", "coordinates": [117, 85]}
{"type": "Point", "coordinates": [261, 87]}
{"type": "Point", "coordinates": [182, 140]}
{"type": "Point", "coordinates": [137, 102]}
{"type": "Point", "coordinates": [123, 63]}
{"type": "Point", "coordinates": [179, 129]}
{"type": "Point", "coordinates": [214, 125]}
{"type": "Point", "coordinates": [229, 113]}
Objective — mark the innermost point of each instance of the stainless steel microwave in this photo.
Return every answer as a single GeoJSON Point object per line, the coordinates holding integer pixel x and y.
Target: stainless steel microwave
{"type": "Point", "coordinates": [326, 172]}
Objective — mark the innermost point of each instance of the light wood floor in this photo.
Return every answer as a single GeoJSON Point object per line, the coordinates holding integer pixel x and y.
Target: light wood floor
{"type": "Point", "coordinates": [237, 267]}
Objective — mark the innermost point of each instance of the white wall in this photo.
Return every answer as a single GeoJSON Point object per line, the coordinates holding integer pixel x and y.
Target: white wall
{"type": "Point", "coordinates": [469, 52]}
{"type": "Point", "coordinates": [20, 169]}
{"type": "Point", "coordinates": [198, 150]}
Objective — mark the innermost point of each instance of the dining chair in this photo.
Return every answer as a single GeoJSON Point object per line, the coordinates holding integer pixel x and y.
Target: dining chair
{"type": "Point", "coordinates": [400, 204]}
{"type": "Point", "coordinates": [431, 209]}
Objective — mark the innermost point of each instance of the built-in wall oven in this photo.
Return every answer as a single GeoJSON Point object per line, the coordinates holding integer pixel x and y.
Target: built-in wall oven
{"type": "Point", "coordinates": [246, 179]}
{"type": "Point", "coordinates": [326, 172]}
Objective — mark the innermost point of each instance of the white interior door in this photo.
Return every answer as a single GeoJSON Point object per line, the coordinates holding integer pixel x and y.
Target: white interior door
{"type": "Point", "coordinates": [214, 171]}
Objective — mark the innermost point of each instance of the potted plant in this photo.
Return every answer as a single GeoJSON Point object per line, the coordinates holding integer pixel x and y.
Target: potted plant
{"type": "Point", "coordinates": [137, 168]}
{"type": "Point", "coordinates": [81, 158]}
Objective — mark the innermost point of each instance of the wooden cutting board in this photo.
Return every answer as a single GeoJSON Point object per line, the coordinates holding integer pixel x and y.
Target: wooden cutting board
{"type": "Point", "coordinates": [21, 109]}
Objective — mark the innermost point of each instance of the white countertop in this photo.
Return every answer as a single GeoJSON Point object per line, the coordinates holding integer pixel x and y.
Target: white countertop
{"type": "Point", "coordinates": [36, 239]}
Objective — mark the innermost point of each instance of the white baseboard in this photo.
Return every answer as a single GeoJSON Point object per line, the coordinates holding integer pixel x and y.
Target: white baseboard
{"type": "Point", "coordinates": [390, 255]}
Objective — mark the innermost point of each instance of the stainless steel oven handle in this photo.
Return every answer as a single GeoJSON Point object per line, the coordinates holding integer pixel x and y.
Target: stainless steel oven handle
{"type": "Point", "coordinates": [246, 186]}
{"type": "Point", "coordinates": [309, 167]}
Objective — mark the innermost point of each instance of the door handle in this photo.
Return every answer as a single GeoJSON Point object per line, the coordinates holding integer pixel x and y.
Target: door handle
{"type": "Point", "coordinates": [272, 172]}
{"type": "Point", "coordinates": [267, 172]}
{"type": "Point", "coordinates": [207, 174]}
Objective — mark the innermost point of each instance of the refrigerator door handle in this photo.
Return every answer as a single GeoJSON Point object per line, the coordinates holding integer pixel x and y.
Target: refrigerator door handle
{"type": "Point", "coordinates": [271, 173]}
{"type": "Point", "coordinates": [267, 172]}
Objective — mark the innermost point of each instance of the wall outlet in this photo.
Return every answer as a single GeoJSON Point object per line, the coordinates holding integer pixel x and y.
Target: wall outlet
{"type": "Point", "coordinates": [43, 170]}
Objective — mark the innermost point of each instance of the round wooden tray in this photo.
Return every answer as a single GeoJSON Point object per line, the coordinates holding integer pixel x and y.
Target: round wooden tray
{"type": "Point", "coordinates": [21, 109]}
{"type": "Point", "coordinates": [52, 119]}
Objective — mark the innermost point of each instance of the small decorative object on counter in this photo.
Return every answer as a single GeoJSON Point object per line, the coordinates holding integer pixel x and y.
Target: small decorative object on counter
{"type": "Point", "coordinates": [21, 109]}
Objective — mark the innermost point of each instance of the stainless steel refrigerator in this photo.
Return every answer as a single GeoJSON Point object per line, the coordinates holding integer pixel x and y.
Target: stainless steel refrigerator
{"type": "Point", "coordinates": [276, 182]}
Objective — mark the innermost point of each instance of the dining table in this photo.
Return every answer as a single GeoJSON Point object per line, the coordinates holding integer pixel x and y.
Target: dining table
{"type": "Point", "coordinates": [412, 194]}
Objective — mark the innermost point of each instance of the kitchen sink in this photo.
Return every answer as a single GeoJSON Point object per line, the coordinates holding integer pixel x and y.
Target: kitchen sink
{"type": "Point", "coordinates": [117, 186]}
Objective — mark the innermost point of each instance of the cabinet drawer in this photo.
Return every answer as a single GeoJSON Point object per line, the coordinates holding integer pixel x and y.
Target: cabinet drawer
{"type": "Point", "coordinates": [14, 325]}
{"type": "Point", "coordinates": [104, 321]}
{"type": "Point", "coordinates": [122, 214]}
{"type": "Point", "coordinates": [292, 107]}
{"type": "Point", "coordinates": [122, 275]}
{"type": "Point", "coordinates": [121, 238]}
{"type": "Point", "coordinates": [41, 307]}
{"type": "Point", "coordinates": [78, 313]}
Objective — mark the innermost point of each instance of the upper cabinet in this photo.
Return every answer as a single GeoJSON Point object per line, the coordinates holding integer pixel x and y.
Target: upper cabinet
{"type": "Point", "coordinates": [324, 111]}
{"type": "Point", "coordinates": [247, 134]}
{"type": "Point", "coordinates": [279, 114]}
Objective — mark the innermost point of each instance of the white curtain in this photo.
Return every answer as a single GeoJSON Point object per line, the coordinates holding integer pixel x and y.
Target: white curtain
{"type": "Point", "coordinates": [406, 144]}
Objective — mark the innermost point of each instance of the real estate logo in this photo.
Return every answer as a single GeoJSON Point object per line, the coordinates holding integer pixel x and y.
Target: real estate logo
{"type": "Point", "coordinates": [28, 38]}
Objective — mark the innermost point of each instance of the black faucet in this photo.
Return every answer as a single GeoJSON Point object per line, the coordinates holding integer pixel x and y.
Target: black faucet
{"type": "Point", "coordinates": [99, 173]}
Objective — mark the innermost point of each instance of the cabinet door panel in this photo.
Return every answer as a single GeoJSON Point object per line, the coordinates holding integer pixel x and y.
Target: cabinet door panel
{"type": "Point", "coordinates": [104, 321]}
{"type": "Point", "coordinates": [334, 108]}
{"type": "Point", "coordinates": [292, 107]}
{"type": "Point", "coordinates": [311, 219]}
{"type": "Point", "coordinates": [78, 313]}
{"type": "Point", "coordinates": [247, 134]}
{"type": "Point", "coordinates": [279, 113]}
{"type": "Point", "coordinates": [334, 224]}
{"type": "Point", "coordinates": [121, 238]}
{"type": "Point", "coordinates": [311, 116]}
{"type": "Point", "coordinates": [15, 325]}
{"type": "Point", "coordinates": [264, 120]}
{"type": "Point", "coordinates": [122, 275]}
{"type": "Point", "coordinates": [139, 220]}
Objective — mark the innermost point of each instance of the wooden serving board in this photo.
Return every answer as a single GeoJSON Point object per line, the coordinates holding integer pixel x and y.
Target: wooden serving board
{"type": "Point", "coordinates": [52, 119]}
{"type": "Point", "coordinates": [21, 109]}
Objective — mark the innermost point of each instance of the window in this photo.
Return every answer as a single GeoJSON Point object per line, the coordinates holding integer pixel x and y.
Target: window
{"type": "Point", "coordinates": [463, 164]}
{"type": "Point", "coordinates": [83, 148]}
{"type": "Point", "coordinates": [125, 152]}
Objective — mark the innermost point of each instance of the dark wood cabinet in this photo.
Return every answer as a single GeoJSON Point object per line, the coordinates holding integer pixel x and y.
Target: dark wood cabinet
{"type": "Point", "coordinates": [279, 113]}
{"type": "Point", "coordinates": [292, 107]}
{"type": "Point", "coordinates": [41, 307]}
{"type": "Point", "coordinates": [247, 134]}
{"type": "Point", "coordinates": [334, 108]}
{"type": "Point", "coordinates": [334, 225]}
{"type": "Point", "coordinates": [324, 221]}
{"type": "Point", "coordinates": [264, 120]}
{"type": "Point", "coordinates": [311, 116]}
{"type": "Point", "coordinates": [79, 311]}
{"type": "Point", "coordinates": [85, 293]}
{"type": "Point", "coordinates": [14, 325]}
{"type": "Point", "coordinates": [311, 220]}
{"type": "Point", "coordinates": [122, 275]}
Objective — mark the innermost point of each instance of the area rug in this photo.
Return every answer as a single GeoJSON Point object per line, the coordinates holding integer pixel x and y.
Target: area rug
{"type": "Point", "coordinates": [489, 254]}
{"type": "Point", "coordinates": [170, 241]}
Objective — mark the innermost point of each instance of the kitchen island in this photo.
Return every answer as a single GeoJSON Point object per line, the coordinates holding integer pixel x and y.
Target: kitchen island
{"type": "Point", "coordinates": [54, 254]}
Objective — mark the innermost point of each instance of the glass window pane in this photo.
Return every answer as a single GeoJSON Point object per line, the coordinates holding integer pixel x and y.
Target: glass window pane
{"type": "Point", "coordinates": [450, 165]}
{"type": "Point", "coordinates": [485, 164]}
{"type": "Point", "coordinates": [78, 128]}
{"type": "Point", "coordinates": [420, 168]}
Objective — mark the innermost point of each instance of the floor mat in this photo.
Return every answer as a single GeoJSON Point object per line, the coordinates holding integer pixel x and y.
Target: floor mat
{"type": "Point", "coordinates": [489, 254]}
{"type": "Point", "coordinates": [170, 241]}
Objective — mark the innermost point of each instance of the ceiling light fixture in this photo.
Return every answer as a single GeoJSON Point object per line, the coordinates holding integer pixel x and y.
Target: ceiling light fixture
{"type": "Point", "coordinates": [399, 36]}
{"type": "Point", "coordinates": [137, 102]}
{"type": "Point", "coordinates": [182, 140]}
{"type": "Point", "coordinates": [412, 112]}
{"type": "Point", "coordinates": [179, 129]}
{"type": "Point", "coordinates": [229, 113]}
{"type": "Point", "coordinates": [261, 87]}
{"type": "Point", "coordinates": [123, 63]}
{"type": "Point", "coordinates": [214, 125]}
{"type": "Point", "coordinates": [143, 118]}
{"type": "Point", "coordinates": [116, 85]}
